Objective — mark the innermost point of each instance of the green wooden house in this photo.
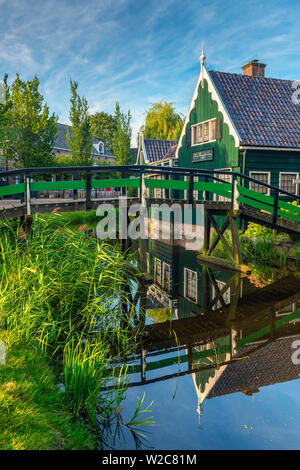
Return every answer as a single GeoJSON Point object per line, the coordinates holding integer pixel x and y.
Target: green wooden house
{"type": "Point", "coordinates": [245, 123]}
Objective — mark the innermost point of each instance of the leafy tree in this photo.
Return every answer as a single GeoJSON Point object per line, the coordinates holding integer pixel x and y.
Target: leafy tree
{"type": "Point", "coordinates": [162, 122]}
{"type": "Point", "coordinates": [103, 128]}
{"type": "Point", "coordinates": [27, 130]}
{"type": "Point", "coordinates": [122, 137]}
{"type": "Point", "coordinates": [80, 139]}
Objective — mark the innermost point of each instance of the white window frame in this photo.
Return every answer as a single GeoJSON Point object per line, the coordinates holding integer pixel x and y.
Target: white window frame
{"type": "Point", "coordinates": [185, 285]}
{"type": "Point", "coordinates": [209, 132]}
{"type": "Point", "coordinates": [288, 173]}
{"type": "Point", "coordinates": [263, 173]}
{"type": "Point", "coordinates": [217, 197]}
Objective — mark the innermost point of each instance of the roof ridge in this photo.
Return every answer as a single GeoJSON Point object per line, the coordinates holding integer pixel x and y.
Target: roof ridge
{"type": "Point", "coordinates": [250, 77]}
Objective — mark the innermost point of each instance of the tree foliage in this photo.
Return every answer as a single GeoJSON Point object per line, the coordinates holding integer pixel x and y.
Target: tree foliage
{"type": "Point", "coordinates": [162, 122]}
{"type": "Point", "coordinates": [80, 138]}
{"type": "Point", "coordinates": [103, 128]}
{"type": "Point", "coordinates": [27, 129]}
{"type": "Point", "coordinates": [122, 137]}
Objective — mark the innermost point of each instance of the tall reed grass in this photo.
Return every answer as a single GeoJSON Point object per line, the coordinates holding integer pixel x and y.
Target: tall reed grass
{"type": "Point", "coordinates": [64, 292]}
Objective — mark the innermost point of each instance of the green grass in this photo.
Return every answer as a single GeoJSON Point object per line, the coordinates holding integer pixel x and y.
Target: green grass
{"type": "Point", "coordinates": [62, 295]}
{"type": "Point", "coordinates": [75, 219]}
{"type": "Point", "coordinates": [32, 410]}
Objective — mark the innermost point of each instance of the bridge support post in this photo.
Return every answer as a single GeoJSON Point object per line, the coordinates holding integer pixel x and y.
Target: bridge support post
{"type": "Point", "coordinates": [232, 249]}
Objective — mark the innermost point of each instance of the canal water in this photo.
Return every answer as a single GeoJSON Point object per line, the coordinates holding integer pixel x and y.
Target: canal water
{"type": "Point", "coordinates": [220, 360]}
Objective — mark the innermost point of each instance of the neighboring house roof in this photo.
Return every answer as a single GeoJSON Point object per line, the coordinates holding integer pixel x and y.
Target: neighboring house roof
{"type": "Point", "coordinates": [61, 142]}
{"type": "Point", "coordinates": [171, 152]}
{"type": "Point", "coordinates": [157, 149]}
{"type": "Point", "coordinates": [262, 109]}
{"type": "Point", "coordinates": [270, 365]}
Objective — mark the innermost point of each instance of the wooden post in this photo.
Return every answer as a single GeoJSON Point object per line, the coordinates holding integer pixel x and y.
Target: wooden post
{"type": "Point", "coordinates": [275, 208]}
{"type": "Point", "coordinates": [27, 195]}
{"type": "Point", "coordinates": [191, 189]}
{"type": "Point", "coordinates": [123, 189]}
{"type": "Point", "coordinates": [207, 226]}
{"type": "Point", "coordinates": [143, 364]}
{"type": "Point", "coordinates": [88, 200]}
{"type": "Point", "coordinates": [75, 191]}
{"type": "Point", "coordinates": [235, 194]}
{"type": "Point", "coordinates": [235, 240]}
{"type": "Point", "coordinates": [143, 190]}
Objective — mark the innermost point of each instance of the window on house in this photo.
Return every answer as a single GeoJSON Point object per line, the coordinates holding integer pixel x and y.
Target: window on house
{"type": "Point", "coordinates": [190, 284]}
{"type": "Point", "coordinates": [287, 182]}
{"type": "Point", "coordinates": [204, 132]}
{"type": "Point", "coordinates": [101, 148]}
{"type": "Point", "coordinates": [264, 177]}
{"type": "Point", "coordinates": [225, 177]}
{"type": "Point", "coordinates": [157, 191]}
{"type": "Point", "coordinates": [166, 276]}
{"type": "Point", "coordinates": [157, 271]}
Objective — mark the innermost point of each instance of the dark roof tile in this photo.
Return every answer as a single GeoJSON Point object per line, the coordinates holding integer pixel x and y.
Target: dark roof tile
{"type": "Point", "coordinates": [157, 149]}
{"type": "Point", "coordinates": [261, 109]}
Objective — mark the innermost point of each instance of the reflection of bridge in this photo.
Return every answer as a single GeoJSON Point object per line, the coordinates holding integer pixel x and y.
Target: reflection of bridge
{"type": "Point", "coordinates": [235, 316]}
{"type": "Point", "coordinates": [218, 336]}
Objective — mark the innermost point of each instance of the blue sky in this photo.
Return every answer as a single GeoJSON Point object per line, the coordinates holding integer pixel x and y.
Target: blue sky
{"type": "Point", "coordinates": [138, 52]}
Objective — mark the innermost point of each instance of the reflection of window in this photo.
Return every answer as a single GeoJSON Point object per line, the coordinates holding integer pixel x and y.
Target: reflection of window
{"type": "Point", "coordinates": [287, 182]}
{"type": "Point", "coordinates": [166, 276]}
{"type": "Point", "coordinates": [287, 310]}
{"type": "Point", "coordinates": [225, 296]}
{"type": "Point", "coordinates": [190, 284]}
{"type": "Point", "coordinates": [204, 132]}
{"type": "Point", "coordinates": [225, 177]}
{"type": "Point", "coordinates": [264, 177]}
{"type": "Point", "coordinates": [157, 270]}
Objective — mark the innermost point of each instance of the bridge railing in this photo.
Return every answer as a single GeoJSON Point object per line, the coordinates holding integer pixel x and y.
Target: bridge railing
{"type": "Point", "coordinates": [207, 183]}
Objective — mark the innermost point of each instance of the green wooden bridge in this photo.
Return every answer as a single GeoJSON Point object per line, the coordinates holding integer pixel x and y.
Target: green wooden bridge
{"type": "Point", "coordinates": [22, 192]}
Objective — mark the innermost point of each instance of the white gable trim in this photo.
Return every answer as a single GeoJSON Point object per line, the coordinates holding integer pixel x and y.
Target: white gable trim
{"type": "Point", "coordinates": [141, 149]}
{"type": "Point", "coordinates": [204, 75]}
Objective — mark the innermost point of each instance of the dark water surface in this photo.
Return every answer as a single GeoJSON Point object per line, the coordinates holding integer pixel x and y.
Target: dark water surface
{"type": "Point", "coordinates": [221, 374]}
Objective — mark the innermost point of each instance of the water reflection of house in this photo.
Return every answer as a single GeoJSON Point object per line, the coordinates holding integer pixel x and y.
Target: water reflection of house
{"type": "Point", "coordinates": [192, 288]}
{"type": "Point", "coordinates": [267, 366]}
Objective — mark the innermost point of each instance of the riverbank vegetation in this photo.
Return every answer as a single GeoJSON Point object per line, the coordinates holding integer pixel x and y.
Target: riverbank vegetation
{"type": "Point", "coordinates": [261, 245]}
{"type": "Point", "coordinates": [63, 295]}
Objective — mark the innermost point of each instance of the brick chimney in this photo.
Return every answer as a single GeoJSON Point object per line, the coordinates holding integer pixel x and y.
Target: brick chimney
{"type": "Point", "coordinates": [254, 69]}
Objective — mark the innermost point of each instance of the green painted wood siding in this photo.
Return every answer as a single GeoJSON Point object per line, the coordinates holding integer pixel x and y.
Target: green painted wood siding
{"type": "Point", "coordinates": [273, 161]}
{"type": "Point", "coordinates": [225, 153]}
